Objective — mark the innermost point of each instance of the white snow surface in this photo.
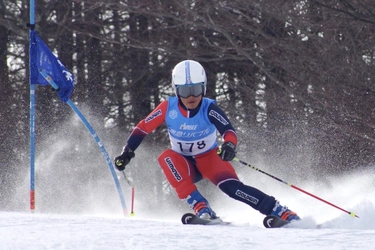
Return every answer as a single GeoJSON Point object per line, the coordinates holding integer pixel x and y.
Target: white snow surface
{"type": "Point", "coordinates": [52, 231]}
{"type": "Point", "coordinates": [27, 230]}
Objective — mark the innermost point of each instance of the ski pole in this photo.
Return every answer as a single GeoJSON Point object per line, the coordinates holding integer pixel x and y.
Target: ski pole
{"type": "Point", "coordinates": [132, 197]}
{"type": "Point", "coordinates": [291, 185]}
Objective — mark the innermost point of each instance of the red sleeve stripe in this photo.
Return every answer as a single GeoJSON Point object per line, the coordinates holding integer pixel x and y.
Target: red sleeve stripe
{"type": "Point", "coordinates": [139, 132]}
{"type": "Point", "coordinates": [231, 136]}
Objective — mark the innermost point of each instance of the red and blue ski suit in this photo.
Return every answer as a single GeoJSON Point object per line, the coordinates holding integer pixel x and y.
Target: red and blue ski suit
{"type": "Point", "coordinates": [193, 153]}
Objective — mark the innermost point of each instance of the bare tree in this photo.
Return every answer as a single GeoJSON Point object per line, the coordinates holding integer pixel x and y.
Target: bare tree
{"type": "Point", "coordinates": [294, 76]}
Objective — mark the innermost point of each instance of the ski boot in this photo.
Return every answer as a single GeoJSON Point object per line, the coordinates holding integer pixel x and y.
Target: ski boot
{"type": "Point", "coordinates": [200, 206]}
{"type": "Point", "coordinates": [284, 212]}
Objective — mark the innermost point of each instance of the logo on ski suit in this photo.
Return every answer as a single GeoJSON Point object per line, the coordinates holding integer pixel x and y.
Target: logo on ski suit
{"type": "Point", "coordinates": [247, 197]}
{"type": "Point", "coordinates": [173, 169]}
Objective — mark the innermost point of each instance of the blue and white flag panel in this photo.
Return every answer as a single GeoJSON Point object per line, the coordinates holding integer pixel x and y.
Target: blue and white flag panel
{"type": "Point", "coordinates": [41, 57]}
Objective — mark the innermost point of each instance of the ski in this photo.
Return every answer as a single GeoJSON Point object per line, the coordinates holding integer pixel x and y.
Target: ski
{"type": "Point", "coordinates": [271, 221]}
{"type": "Point", "coordinates": [192, 219]}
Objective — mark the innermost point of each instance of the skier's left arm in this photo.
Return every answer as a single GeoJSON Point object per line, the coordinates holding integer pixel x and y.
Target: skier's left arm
{"type": "Point", "coordinates": [223, 125]}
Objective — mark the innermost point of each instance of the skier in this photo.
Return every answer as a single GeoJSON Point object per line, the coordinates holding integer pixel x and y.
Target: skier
{"type": "Point", "coordinates": [192, 122]}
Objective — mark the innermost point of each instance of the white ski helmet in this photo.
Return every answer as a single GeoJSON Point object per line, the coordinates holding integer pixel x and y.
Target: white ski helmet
{"type": "Point", "coordinates": [189, 78]}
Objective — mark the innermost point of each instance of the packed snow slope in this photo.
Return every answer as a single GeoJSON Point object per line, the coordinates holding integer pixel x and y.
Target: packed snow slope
{"type": "Point", "coordinates": [154, 230]}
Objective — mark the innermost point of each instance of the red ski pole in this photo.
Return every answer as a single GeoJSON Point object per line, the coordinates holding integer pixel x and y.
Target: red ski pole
{"type": "Point", "coordinates": [291, 185]}
{"type": "Point", "coordinates": [132, 193]}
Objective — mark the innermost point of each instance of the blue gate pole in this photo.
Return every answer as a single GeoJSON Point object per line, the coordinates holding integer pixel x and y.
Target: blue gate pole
{"type": "Point", "coordinates": [32, 122]}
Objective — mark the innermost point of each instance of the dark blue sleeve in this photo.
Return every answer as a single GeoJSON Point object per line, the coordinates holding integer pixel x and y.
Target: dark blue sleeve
{"type": "Point", "coordinates": [217, 117]}
{"type": "Point", "coordinates": [136, 138]}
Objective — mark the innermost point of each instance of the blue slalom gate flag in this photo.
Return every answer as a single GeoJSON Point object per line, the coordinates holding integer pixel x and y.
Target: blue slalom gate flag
{"type": "Point", "coordinates": [42, 58]}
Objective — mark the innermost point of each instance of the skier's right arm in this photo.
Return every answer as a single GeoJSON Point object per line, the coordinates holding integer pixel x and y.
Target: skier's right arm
{"type": "Point", "coordinates": [143, 128]}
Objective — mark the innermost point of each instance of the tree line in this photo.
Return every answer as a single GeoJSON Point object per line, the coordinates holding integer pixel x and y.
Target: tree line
{"type": "Point", "coordinates": [295, 77]}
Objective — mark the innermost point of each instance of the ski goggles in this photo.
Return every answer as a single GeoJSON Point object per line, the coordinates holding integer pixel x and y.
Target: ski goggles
{"type": "Point", "coordinates": [185, 91]}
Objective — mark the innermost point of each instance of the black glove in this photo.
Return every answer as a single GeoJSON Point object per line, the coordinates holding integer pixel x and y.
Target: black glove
{"type": "Point", "coordinates": [122, 160]}
{"type": "Point", "coordinates": [227, 151]}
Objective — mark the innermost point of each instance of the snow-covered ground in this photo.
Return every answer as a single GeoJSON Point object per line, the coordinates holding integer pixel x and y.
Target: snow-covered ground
{"type": "Point", "coordinates": [26, 230]}
{"type": "Point", "coordinates": [51, 231]}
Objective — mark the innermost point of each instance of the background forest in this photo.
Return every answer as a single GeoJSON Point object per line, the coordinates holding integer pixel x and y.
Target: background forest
{"type": "Point", "coordinates": [296, 78]}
